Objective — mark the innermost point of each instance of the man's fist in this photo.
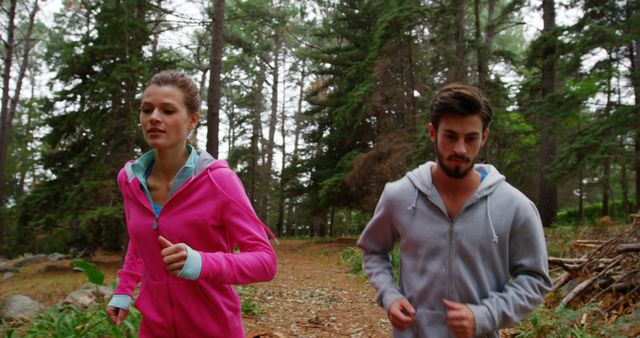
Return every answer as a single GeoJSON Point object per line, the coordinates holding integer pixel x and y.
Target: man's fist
{"type": "Point", "coordinates": [402, 314]}
{"type": "Point", "coordinates": [460, 319]}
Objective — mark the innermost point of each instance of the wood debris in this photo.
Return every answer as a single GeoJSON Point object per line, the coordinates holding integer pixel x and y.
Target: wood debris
{"type": "Point", "coordinates": [607, 274]}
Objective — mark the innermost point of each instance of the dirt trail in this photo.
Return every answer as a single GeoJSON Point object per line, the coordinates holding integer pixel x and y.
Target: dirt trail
{"type": "Point", "coordinates": [314, 295]}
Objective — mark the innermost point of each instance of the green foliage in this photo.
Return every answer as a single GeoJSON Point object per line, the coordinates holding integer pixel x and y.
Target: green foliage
{"type": "Point", "coordinates": [97, 51]}
{"type": "Point", "coordinates": [251, 307]}
{"type": "Point", "coordinates": [559, 240]}
{"type": "Point", "coordinates": [592, 212]}
{"type": "Point", "coordinates": [249, 304]}
{"type": "Point", "coordinates": [103, 227]}
{"type": "Point", "coordinates": [352, 257]}
{"type": "Point", "coordinates": [565, 322]}
{"type": "Point", "coordinates": [64, 320]}
{"type": "Point", "coordinates": [94, 275]}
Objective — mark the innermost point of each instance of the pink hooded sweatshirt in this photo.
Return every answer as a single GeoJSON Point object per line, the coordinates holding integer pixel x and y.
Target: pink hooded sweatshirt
{"type": "Point", "coordinates": [210, 213]}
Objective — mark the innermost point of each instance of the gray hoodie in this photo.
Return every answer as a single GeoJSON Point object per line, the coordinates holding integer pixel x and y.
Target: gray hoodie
{"type": "Point", "coordinates": [492, 256]}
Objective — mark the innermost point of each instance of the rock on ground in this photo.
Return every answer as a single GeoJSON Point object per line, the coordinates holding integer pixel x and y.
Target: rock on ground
{"type": "Point", "coordinates": [86, 295]}
{"type": "Point", "coordinates": [19, 308]}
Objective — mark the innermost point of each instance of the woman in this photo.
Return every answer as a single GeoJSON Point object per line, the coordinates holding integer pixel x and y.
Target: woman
{"type": "Point", "coordinates": [186, 212]}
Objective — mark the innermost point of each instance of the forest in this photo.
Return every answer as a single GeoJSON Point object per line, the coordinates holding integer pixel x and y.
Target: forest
{"type": "Point", "coordinates": [316, 105]}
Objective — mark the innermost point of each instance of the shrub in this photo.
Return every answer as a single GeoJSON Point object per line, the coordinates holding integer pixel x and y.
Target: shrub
{"type": "Point", "coordinates": [65, 320]}
{"type": "Point", "coordinates": [352, 257]}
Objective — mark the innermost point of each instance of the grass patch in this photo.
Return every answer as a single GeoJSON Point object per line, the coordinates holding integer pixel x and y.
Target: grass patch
{"type": "Point", "coordinates": [250, 304]}
{"type": "Point", "coordinates": [324, 252]}
{"type": "Point", "coordinates": [65, 320]}
{"type": "Point", "coordinates": [584, 322]}
{"type": "Point", "coordinates": [352, 257]}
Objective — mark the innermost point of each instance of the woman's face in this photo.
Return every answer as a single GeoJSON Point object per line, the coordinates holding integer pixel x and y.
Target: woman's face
{"type": "Point", "coordinates": [164, 118]}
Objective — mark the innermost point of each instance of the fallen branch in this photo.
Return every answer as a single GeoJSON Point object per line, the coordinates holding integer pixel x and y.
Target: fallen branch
{"type": "Point", "coordinates": [578, 289]}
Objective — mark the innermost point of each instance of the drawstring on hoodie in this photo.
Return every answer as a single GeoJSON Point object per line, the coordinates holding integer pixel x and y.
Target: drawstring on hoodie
{"type": "Point", "coordinates": [493, 230]}
{"type": "Point", "coordinates": [412, 207]}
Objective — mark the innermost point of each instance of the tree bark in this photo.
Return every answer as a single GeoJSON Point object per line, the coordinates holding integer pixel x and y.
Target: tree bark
{"type": "Point", "coordinates": [634, 56]}
{"type": "Point", "coordinates": [459, 71]}
{"type": "Point", "coordinates": [548, 193]}
{"type": "Point", "coordinates": [5, 115]}
{"type": "Point", "coordinates": [296, 140]}
{"type": "Point", "coordinates": [215, 64]}
{"type": "Point", "coordinates": [256, 135]}
{"type": "Point", "coordinates": [580, 199]}
{"type": "Point", "coordinates": [605, 188]}
{"type": "Point", "coordinates": [273, 121]}
{"type": "Point", "coordinates": [282, 196]}
{"type": "Point", "coordinates": [626, 207]}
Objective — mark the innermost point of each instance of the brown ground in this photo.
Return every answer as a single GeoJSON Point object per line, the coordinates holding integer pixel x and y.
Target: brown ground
{"type": "Point", "coordinates": [313, 295]}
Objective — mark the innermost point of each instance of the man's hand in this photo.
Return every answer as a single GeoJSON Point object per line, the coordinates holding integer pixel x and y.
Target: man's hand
{"type": "Point", "coordinates": [402, 314]}
{"type": "Point", "coordinates": [117, 315]}
{"type": "Point", "coordinates": [460, 319]}
{"type": "Point", "coordinates": [173, 255]}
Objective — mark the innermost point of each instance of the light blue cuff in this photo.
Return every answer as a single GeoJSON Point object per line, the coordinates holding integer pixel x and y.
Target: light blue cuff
{"type": "Point", "coordinates": [120, 301]}
{"type": "Point", "coordinates": [193, 266]}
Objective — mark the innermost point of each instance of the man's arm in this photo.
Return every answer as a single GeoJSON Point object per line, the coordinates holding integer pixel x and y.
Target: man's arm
{"type": "Point", "coordinates": [376, 241]}
{"type": "Point", "coordinates": [529, 276]}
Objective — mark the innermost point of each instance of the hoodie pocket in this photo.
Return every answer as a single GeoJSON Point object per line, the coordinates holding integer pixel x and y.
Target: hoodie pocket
{"type": "Point", "coordinates": [430, 323]}
{"type": "Point", "coordinates": [152, 303]}
{"type": "Point", "coordinates": [206, 310]}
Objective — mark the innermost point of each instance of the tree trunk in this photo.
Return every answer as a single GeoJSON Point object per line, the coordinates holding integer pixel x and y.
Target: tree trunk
{"type": "Point", "coordinates": [231, 133]}
{"type": "Point", "coordinates": [215, 64]}
{"type": "Point", "coordinates": [193, 137]}
{"type": "Point", "coordinates": [580, 199]}
{"type": "Point", "coordinates": [410, 114]}
{"type": "Point", "coordinates": [605, 188]}
{"type": "Point", "coordinates": [256, 135]}
{"type": "Point", "coordinates": [298, 116]}
{"type": "Point", "coordinates": [296, 140]}
{"type": "Point", "coordinates": [479, 53]}
{"type": "Point", "coordinates": [273, 121]}
{"type": "Point", "coordinates": [548, 193]}
{"type": "Point", "coordinates": [5, 116]}
{"type": "Point", "coordinates": [459, 71]}
{"type": "Point", "coordinates": [485, 45]}
{"type": "Point", "coordinates": [634, 57]}
{"type": "Point", "coordinates": [281, 195]}
{"type": "Point", "coordinates": [626, 207]}
{"type": "Point", "coordinates": [158, 15]}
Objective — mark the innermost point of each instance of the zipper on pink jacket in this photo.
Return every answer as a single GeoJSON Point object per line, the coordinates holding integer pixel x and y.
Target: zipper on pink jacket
{"type": "Point", "coordinates": [156, 218]}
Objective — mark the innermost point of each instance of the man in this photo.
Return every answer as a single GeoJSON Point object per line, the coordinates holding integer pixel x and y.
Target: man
{"type": "Point", "coordinates": [472, 250]}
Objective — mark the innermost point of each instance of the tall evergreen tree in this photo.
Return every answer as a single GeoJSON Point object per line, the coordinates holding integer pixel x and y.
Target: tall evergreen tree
{"type": "Point", "coordinates": [547, 191]}
{"type": "Point", "coordinates": [98, 52]}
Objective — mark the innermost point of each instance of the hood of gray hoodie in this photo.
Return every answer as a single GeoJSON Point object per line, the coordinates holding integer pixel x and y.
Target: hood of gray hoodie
{"type": "Point", "coordinates": [420, 177]}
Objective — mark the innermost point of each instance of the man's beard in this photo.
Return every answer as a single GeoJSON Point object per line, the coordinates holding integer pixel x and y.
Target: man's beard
{"type": "Point", "coordinates": [457, 172]}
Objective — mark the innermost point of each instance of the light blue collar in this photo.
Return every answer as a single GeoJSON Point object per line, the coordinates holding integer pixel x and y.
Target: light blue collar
{"type": "Point", "coordinates": [144, 163]}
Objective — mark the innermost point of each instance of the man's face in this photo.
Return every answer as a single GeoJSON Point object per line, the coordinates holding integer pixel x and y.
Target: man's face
{"type": "Point", "coordinates": [458, 141]}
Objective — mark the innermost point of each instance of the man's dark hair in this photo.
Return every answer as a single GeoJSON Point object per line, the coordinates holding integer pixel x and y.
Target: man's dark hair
{"type": "Point", "coordinates": [462, 100]}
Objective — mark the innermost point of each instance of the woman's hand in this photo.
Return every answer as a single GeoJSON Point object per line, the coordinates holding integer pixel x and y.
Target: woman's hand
{"type": "Point", "coordinates": [173, 255]}
{"type": "Point", "coordinates": [117, 315]}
